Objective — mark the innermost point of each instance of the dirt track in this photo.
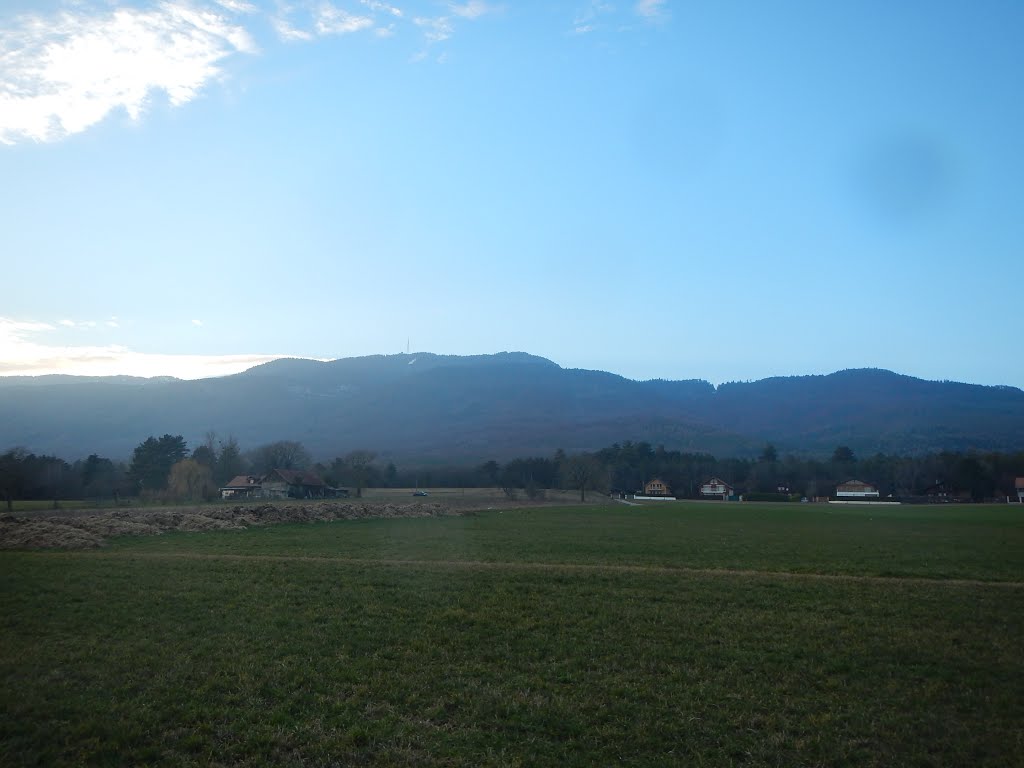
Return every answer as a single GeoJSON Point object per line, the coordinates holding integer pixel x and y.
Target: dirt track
{"type": "Point", "coordinates": [78, 530]}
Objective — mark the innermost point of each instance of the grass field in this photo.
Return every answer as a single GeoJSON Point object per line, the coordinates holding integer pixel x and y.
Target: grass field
{"type": "Point", "coordinates": [39, 505]}
{"type": "Point", "coordinates": [686, 634]}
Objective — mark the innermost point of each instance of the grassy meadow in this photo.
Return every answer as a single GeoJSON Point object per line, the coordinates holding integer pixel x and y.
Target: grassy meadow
{"type": "Point", "coordinates": [676, 634]}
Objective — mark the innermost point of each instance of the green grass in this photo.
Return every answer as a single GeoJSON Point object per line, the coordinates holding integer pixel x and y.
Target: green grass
{"type": "Point", "coordinates": [41, 505]}
{"type": "Point", "coordinates": [969, 542]}
{"type": "Point", "coordinates": [311, 645]}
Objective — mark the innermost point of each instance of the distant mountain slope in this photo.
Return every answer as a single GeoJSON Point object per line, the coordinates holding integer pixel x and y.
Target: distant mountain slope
{"type": "Point", "coordinates": [436, 408]}
{"type": "Point", "coordinates": [874, 410]}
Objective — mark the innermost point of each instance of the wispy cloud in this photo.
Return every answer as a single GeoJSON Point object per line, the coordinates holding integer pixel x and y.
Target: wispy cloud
{"type": "Point", "coordinates": [24, 353]}
{"type": "Point", "coordinates": [376, 5]}
{"type": "Point", "coordinates": [331, 20]}
{"type": "Point", "coordinates": [435, 30]}
{"type": "Point", "coordinates": [64, 73]}
{"type": "Point", "coordinates": [10, 328]}
{"type": "Point", "coordinates": [471, 10]}
{"type": "Point", "coordinates": [66, 323]}
{"type": "Point", "coordinates": [237, 6]}
{"type": "Point", "coordinates": [289, 33]}
{"type": "Point", "coordinates": [308, 20]}
{"type": "Point", "coordinates": [652, 9]}
{"type": "Point", "coordinates": [587, 19]}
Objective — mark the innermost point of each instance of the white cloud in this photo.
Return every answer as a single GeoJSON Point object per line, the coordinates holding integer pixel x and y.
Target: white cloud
{"type": "Point", "coordinates": [22, 355]}
{"type": "Point", "coordinates": [237, 6]}
{"type": "Point", "coordinates": [64, 73]}
{"type": "Point", "coordinates": [331, 20]}
{"type": "Point", "coordinates": [652, 9]}
{"type": "Point", "coordinates": [586, 20]}
{"type": "Point", "coordinates": [288, 33]}
{"type": "Point", "coordinates": [18, 328]}
{"type": "Point", "coordinates": [376, 5]}
{"type": "Point", "coordinates": [83, 323]}
{"type": "Point", "coordinates": [197, 323]}
{"type": "Point", "coordinates": [436, 30]}
{"type": "Point", "coordinates": [470, 10]}
{"type": "Point", "coordinates": [324, 19]}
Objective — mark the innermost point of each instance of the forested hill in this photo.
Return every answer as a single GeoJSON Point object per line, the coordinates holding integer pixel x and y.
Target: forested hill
{"type": "Point", "coordinates": [435, 408]}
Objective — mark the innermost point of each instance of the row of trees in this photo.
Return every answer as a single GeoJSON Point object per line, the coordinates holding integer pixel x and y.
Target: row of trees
{"type": "Point", "coordinates": [164, 467]}
{"type": "Point", "coordinates": [627, 466]}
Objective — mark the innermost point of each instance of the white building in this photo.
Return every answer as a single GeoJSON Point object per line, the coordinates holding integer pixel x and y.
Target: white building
{"type": "Point", "coordinates": [717, 488]}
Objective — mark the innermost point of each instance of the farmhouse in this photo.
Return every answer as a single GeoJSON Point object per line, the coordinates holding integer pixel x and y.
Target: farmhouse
{"type": "Point", "coordinates": [280, 484]}
{"type": "Point", "coordinates": [242, 487]}
{"type": "Point", "coordinates": [295, 484]}
{"type": "Point", "coordinates": [715, 488]}
{"type": "Point", "coordinates": [656, 487]}
{"type": "Point", "coordinates": [856, 489]}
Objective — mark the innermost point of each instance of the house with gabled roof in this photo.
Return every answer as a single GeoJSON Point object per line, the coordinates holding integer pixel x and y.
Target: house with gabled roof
{"type": "Point", "coordinates": [716, 488]}
{"type": "Point", "coordinates": [281, 484]}
{"type": "Point", "coordinates": [243, 487]}
{"type": "Point", "coordinates": [294, 484]}
{"type": "Point", "coordinates": [656, 487]}
{"type": "Point", "coordinates": [856, 489]}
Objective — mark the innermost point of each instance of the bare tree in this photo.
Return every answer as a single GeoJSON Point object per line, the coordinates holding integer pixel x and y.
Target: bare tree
{"type": "Point", "coordinates": [284, 454]}
{"type": "Point", "coordinates": [355, 467]}
{"type": "Point", "coordinates": [12, 474]}
{"type": "Point", "coordinates": [229, 461]}
{"type": "Point", "coordinates": [581, 471]}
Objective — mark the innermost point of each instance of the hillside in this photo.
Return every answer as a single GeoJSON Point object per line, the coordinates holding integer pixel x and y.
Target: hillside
{"type": "Point", "coordinates": [435, 408]}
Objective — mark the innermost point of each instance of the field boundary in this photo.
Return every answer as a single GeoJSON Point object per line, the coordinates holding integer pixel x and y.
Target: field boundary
{"type": "Point", "coordinates": [540, 566]}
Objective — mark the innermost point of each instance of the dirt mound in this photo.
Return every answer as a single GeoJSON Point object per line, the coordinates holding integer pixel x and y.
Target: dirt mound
{"type": "Point", "coordinates": [74, 530]}
{"type": "Point", "coordinates": [19, 533]}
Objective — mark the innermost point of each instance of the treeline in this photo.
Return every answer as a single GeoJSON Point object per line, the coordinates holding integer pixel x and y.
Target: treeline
{"type": "Point", "coordinates": [165, 469]}
{"type": "Point", "coordinates": [629, 465]}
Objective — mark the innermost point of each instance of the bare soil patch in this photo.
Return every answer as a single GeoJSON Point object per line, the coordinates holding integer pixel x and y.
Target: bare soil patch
{"type": "Point", "coordinates": [74, 529]}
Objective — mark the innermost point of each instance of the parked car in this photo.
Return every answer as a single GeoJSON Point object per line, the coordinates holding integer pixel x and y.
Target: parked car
{"type": "Point", "coordinates": [420, 493]}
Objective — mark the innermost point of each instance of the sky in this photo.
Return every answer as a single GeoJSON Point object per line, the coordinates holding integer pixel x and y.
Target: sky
{"type": "Point", "coordinates": [661, 189]}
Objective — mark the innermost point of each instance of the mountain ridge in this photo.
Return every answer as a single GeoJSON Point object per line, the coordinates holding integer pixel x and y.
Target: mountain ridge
{"type": "Point", "coordinates": [423, 407]}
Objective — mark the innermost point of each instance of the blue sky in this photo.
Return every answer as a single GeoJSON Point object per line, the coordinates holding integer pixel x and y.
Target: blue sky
{"type": "Point", "coordinates": [659, 189]}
